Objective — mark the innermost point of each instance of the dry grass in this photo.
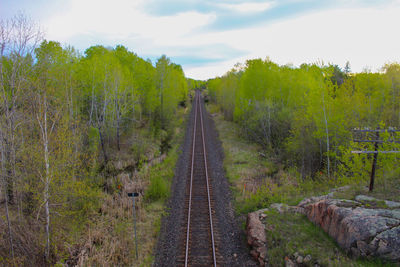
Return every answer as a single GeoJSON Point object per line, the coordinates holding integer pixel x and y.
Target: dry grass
{"type": "Point", "coordinates": [27, 240]}
{"type": "Point", "coordinates": [110, 237]}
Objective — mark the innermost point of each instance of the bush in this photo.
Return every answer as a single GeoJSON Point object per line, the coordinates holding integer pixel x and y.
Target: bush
{"type": "Point", "coordinates": [160, 177]}
{"type": "Point", "coordinates": [158, 189]}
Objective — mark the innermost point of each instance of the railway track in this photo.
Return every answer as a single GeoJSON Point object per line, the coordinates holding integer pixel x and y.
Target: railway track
{"type": "Point", "coordinates": [199, 238]}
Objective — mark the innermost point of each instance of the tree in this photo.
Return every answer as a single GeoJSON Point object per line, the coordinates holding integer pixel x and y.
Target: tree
{"type": "Point", "coordinates": [347, 68]}
{"type": "Point", "coordinates": [50, 56]}
{"type": "Point", "coordinates": [18, 38]}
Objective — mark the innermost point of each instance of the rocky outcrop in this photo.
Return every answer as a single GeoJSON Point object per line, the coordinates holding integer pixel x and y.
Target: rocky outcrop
{"type": "Point", "coordinates": [366, 226]}
{"type": "Point", "coordinates": [256, 237]}
{"type": "Point", "coordinates": [359, 230]}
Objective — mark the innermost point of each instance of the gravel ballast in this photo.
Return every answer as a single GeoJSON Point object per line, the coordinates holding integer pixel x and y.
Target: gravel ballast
{"type": "Point", "coordinates": [232, 246]}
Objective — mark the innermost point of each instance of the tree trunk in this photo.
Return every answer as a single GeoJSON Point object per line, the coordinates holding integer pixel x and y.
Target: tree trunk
{"type": "Point", "coordinates": [3, 171]}
{"type": "Point", "coordinates": [118, 145]}
{"type": "Point", "coordinates": [102, 146]}
{"type": "Point", "coordinates": [269, 126]}
{"type": "Point", "coordinates": [327, 135]}
{"type": "Point", "coordinates": [118, 122]}
{"type": "Point", "coordinates": [48, 179]}
{"type": "Point", "coordinates": [92, 104]}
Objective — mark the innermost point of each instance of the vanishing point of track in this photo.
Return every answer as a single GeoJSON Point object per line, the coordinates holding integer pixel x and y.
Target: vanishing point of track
{"type": "Point", "coordinates": [200, 241]}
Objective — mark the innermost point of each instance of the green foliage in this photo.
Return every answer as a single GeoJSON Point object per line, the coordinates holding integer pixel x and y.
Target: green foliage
{"type": "Point", "coordinates": [93, 136]}
{"type": "Point", "coordinates": [66, 114]}
{"type": "Point", "coordinates": [161, 177]}
{"type": "Point", "coordinates": [158, 188]}
{"type": "Point", "coordinates": [260, 199]}
{"type": "Point", "coordinates": [305, 115]}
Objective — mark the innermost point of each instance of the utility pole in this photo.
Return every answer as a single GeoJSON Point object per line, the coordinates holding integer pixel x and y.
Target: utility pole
{"type": "Point", "coordinates": [376, 142]}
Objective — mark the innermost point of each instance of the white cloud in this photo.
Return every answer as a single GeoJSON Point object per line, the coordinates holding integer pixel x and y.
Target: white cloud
{"type": "Point", "coordinates": [365, 37]}
{"type": "Point", "coordinates": [247, 7]}
{"type": "Point", "coordinates": [123, 20]}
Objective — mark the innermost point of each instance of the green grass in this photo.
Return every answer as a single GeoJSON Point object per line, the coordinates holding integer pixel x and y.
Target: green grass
{"type": "Point", "coordinates": [161, 177]}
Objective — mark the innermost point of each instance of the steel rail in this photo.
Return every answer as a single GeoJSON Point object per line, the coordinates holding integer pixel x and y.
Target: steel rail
{"type": "Point", "coordinates": [198, 108]}
{"type": "Point", "coordinates": [208, 187]}
{"type": "Point", "coordinates": [190, 188]}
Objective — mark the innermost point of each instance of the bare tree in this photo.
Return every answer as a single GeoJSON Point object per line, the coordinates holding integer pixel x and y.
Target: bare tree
{"type": "Point", "coordinates": [18, 38]}
{"type": "Point", "coordinates": [46, 126]}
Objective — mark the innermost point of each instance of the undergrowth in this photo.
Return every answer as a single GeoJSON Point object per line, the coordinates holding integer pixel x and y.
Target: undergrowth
{"type": "Point", "coordinates": [110, 239]}
{"type": "Point", "coordinates": [258, 179]}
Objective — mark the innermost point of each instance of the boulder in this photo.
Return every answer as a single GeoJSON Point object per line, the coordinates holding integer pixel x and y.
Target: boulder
{"type": "Point", "coordinates": [358, 230]}
{"type": "Point", "coordinates": [256, 237]}
{"type": "Point", "coordinates": [388, 203]}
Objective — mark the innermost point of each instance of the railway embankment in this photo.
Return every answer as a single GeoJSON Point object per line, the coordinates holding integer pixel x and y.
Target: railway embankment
{"type": "Point", "coordinates": [229, 238]}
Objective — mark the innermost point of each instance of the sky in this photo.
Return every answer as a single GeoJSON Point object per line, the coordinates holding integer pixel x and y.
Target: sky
{"type": "Point", "coordinates": [208, 37]}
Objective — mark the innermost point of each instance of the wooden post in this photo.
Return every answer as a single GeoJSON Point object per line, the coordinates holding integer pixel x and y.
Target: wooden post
{"type": "Point", "coordinates": [375, 151]}
{"type": "Point", "coordinates": [372, 180]}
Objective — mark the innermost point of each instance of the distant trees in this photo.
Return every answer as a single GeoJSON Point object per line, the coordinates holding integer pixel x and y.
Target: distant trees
{"type": "Point", "coordinates": [305, 115]}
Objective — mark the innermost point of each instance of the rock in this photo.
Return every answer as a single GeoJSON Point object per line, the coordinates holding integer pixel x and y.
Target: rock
{"type": "Point", "coordinates": [307, 259]}
{"type": "Point", "coordinates": [362, 247]}
{"type": "Point", "coordinates": [280, 207]}
{"type": "Point", "coordinates": [262, 252]}
{"type": "Point", "coordinates": [358, 230]}
{"type": "Point", "coordinates": [362, 198]}
{"type": "Point", "coordinates": [387, 244]}
{"type": "Point", "coordinates": [289, 262]}
{"type": "Point", "coordinates": [388, 203]}
{"type": "Point", "coordinates": [255, 229]}
{"type": "Point", "coordinates": [299, 259]}
{"type": "Point", "coordinates": [392, 204]}
{"type": "Point", "coordinates": [254, 253]}
{"type": "Point", "coordinates": [296, 209]}
{"type": "Point", "coordinates": [256, 237]}
{"type": "Point", "coordinates": [311, 200]}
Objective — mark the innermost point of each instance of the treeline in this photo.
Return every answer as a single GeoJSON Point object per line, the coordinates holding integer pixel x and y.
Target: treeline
{"type": "Point", "coordinates": [60, 114]}
{"type": "Point", "coordinates": [305, 115]}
